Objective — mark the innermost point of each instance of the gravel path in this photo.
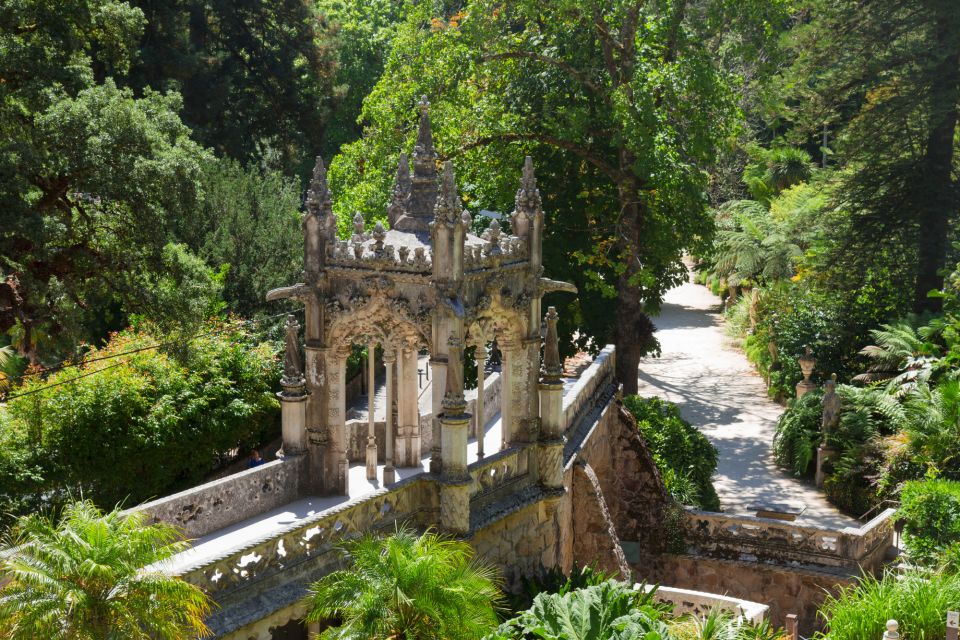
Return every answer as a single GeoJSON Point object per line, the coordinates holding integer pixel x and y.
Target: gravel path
{"type": "Point", "coordinates": [719, 392]}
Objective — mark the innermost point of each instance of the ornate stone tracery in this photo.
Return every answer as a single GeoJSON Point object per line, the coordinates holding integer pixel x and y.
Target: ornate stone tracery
{"type": "Point", "coordinates": [426, 282]}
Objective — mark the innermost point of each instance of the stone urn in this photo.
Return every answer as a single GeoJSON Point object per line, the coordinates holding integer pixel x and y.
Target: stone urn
{"type": "Point", "coordinates": [807, 363]}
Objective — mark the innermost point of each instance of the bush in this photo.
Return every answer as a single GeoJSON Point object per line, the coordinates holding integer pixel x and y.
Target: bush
{"type": "Point", "coordinates": [139, 425]}
{"type": "Point", "coordinates": [685, 457]}
{"type": "Point", "coordinates": [798, 433]}
{"type": "Point", "coordinates": [931, 513]}
{"type": "Point", "coordinates": [919, 602]}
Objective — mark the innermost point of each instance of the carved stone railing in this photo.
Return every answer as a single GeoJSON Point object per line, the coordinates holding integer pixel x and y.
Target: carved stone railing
{"type": "Point", "coordinates": [504, 471]}
{"type": "Point", "coordinates": [214, 505]}
{"type": "Point", "coordinates": [700, 603]}
{"type": "Point", "coordinates": [584, 389]}
{"type": "Point", "coordinates": [315, 539]}
{"type": "Point", "coordinates": [774, 541]}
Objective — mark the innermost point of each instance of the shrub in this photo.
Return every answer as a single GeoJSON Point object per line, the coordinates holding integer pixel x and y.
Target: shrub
{"type": "Point", "coordinates": [917, 601]}
{"type": "Point", "coordinates": [684, 455]}
{"type": "Point", "coordinates": [931, 513]}
{"type": "Point", "coordinates": [798, 433]}
{"type": "Point", "coordinates": [138, 425]}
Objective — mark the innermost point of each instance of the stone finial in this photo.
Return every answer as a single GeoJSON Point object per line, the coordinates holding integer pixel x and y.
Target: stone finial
{"type": "Point", "coordinates": [292, 373]}
{"type": "Point", "coordinates": [318, 194]}
{"type": "Point", "coordinates": [402, 186]}
{"type": "Point", "coordinates": [552, 366]}
{"type": "Point", "coordinates": [467, 220]}
{"type": "Point", "coordinates": [493, 239]}
{"type": "Point", "coordinates": [379, 234]}
{"type": "Point", "coordinates": [448, 208]}
{"type": "Point", "coordinates": [358, 226]}
{"type": "Point", "coordinates": [528, 195]}
{"type": "Point", "coordinates": [893, 630]}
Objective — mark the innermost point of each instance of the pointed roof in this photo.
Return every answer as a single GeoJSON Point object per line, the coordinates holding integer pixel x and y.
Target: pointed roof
{"type": "Point", "coordinates": [419, 205]}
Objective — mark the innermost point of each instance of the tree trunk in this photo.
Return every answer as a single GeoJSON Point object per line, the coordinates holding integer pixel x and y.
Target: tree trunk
{"type": "Point", "coordinates": [633, 327]}
{"type": "Point", "coordinates": [937, 199]}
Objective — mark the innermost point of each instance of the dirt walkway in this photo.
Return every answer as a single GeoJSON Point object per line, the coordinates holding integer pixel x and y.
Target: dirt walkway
{"type": "Point", "coordinates": [719, 392]}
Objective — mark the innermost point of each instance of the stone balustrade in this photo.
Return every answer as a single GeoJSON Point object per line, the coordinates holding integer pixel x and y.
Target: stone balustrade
{"type": "Point", "coordinates": [700, 603]}
{"type": "Point", "coordinates": [214, 505]}
{"type": "Point", "coordinates": [361, 253]}
{"type": "Point", "coordinates": [738, 537]}
{"type": "Point", "coordinates": [415, 500]}
{"type": "Point", "coordinates": [599, 373]}
{"type": "Point", "coordinates": [502, 471]}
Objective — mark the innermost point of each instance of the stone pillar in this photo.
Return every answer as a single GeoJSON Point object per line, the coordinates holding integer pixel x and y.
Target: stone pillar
{"type": "Point", "coordinates": [479, 416]}
{"type": "Point", "coordinates": [332, 442]}
{"type": "Point", "coordinates": [438, 383]}
{"type": "Point", "coordinates": [313, 630]}
{"type": "Point", "coordinates": [371, 424]}
{"type": "Point", "coordinates": [389, 361]}
{"type": "Point", "coordinates": [507, 356]}
{"type": "Point", "coordinates": [550, 445]}
{"type": "Point", "coordinates": [408, 416]}
{"type": "Point", "coordinates": [454, 424]}
{"type": "Point", "coordinates": [293, 398]}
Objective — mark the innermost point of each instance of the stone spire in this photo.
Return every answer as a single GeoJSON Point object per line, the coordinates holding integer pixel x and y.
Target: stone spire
{"type": "Point", "coordinates": [528, 206]}
{"type": "Point", "coordinates": [552, 367]}
{"type": "Point", "coordinates": [448, 208]}
{"type": "Point", "coordinates": [319, 225]}
{"type": "Point", "coordinates": [401, 191]}
{"type": "Point", "coordinates": [423, 190]}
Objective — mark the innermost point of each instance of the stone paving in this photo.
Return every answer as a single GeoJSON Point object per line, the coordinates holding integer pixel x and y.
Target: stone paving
{"type": "Point", "coordinates": [718, 391]}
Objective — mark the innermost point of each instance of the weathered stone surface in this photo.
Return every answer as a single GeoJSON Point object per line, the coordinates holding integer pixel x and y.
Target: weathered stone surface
{"type": "Point", "coordinates": [594, 535]}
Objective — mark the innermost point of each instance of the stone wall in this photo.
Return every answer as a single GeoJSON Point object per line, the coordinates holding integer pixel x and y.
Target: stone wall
{"type": "Point", "coordinates": [221, 503]}
{"type": "Point", "coordinates": [784, 589]}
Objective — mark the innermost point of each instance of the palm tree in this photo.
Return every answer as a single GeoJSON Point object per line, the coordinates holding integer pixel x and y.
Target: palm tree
{"type": "Point", "coordinates": [407, 587]}
{"type": "Point", "coordinates": [90, 576]}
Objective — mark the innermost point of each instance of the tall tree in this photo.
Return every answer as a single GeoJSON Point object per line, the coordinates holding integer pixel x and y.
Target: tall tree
{"type": "Point", "coordinates": [89, 174]}
{"type": "Point", "coordinates": [623, 105]}
{"type": "Point", "coordinates": [887, 73]}
{"type": "Point", "coordinates": [94, 575]}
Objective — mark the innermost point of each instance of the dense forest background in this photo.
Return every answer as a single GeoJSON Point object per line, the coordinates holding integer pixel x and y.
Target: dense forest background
{"type": "Point", "coordinates": [153, 157]}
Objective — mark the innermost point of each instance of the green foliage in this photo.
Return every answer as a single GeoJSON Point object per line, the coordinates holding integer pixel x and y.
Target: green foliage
{"type": "Point", "coordinates": [685, 457]}
{"type": "Point", "coordinates": [553, 580]}
{"type": "Point", "coordinates": [422, 587]}
{"type": "Point", "coordinates": [250, 222]}
{"type": "Point", "coordinates": [931, 513]}
{"type": "Point", "coordinates": [84, 576]}
{"type": "Point", "coordinates": [798, 433]}
{"type": "Point", "coordinates": [139, 425]}
{"type": "Point", "coordinates": [918, 601]}
{"type": "Point", "coordinates": [720, 625]}
{"type": "Point", "coordinates": [611, 610]}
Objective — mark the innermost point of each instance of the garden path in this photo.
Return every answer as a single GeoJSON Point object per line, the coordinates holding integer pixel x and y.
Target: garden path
{"type": "Point", "coordinates": [719, 392]}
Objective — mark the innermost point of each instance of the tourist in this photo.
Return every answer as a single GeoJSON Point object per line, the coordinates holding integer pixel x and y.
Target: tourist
{"type": "Point", "coordinates": [255, 460]}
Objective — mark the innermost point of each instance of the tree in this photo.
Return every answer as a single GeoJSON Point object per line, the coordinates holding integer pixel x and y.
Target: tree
{"type": "Point", "coordinates": [887, 74]}
{"type": "Point", "coordinates": [90, 174]}
{"type": "Point", "coordinates": [94, 576]}
{"type": "Point", "coordinates": [621, 103]}
{"type": "Point", "coordinates": [407, 587]}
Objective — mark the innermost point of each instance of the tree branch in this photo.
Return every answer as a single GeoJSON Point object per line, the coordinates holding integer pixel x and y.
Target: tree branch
{"type": "Point", "coordinates": [570, 70]}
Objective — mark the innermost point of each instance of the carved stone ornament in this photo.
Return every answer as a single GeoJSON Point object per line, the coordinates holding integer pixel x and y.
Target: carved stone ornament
{"type": "Point", "coordinates": [552, 366]}
{"type": "Point", "coordinates": [292, 373]}
{"type": "Point", "coordinates": [448, 209]}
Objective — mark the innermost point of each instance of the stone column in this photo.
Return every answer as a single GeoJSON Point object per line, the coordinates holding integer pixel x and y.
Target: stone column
{"type": "Point", "coordinates": [438, 384]}
{"type": "Point", "coordinates": [550, 446]}
{"type": "Point", "coordinates": [454, 423]}
{"type": "Point", "coordinates": [507, 355]}
{"type": "Point", "coordinates": [408, 416]}
{"type": "Point", "coordinates": [371, 424]}
{"type": "Point", "coordinates": [389, 361]}
{"type": "Point", "coordinates": [293, 398]}
{"type": "Point", "coordinates": [334, 441]}
{"type": "Point", "coordinates": [479, 417]}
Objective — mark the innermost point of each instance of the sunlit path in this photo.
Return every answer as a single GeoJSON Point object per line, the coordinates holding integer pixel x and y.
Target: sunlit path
{"type": "Point", "coordinates": [720, 393]}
